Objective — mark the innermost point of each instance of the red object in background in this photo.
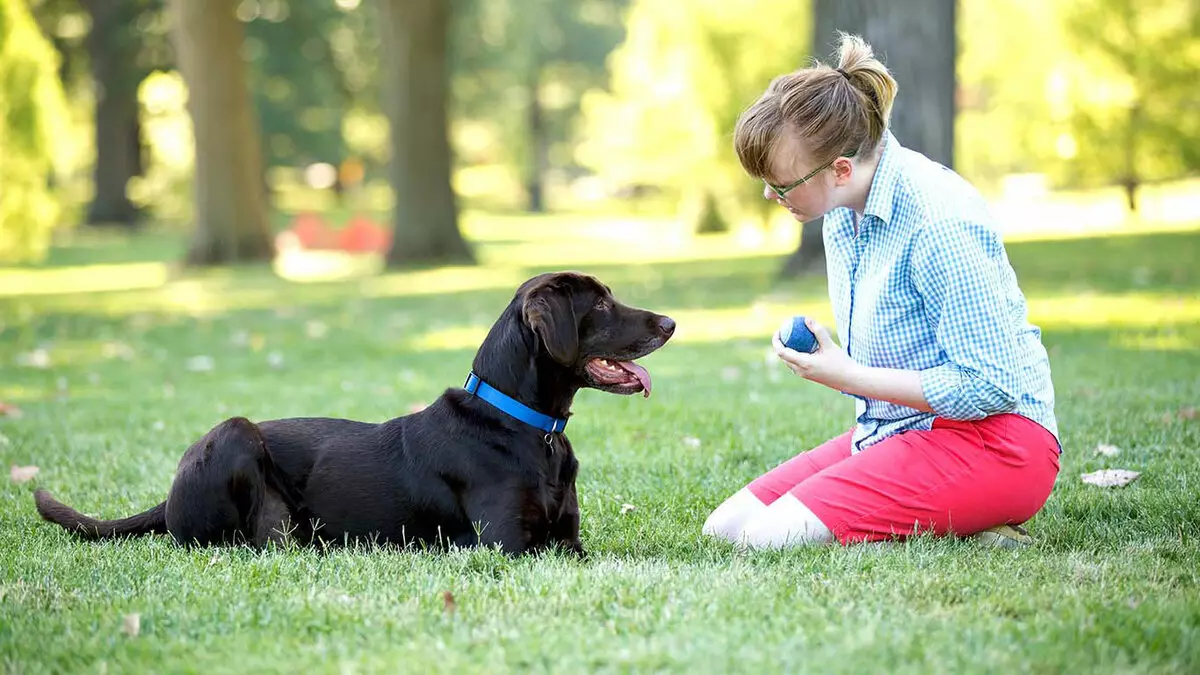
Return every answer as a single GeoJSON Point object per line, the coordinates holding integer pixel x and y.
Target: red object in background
{"type": "Point", "coordinates": [310, 231]}
{"type": "Point", "coordinates": [362, 235]}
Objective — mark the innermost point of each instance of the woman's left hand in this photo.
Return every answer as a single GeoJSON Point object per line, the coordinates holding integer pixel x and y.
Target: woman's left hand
{"type": "Point", "coordinates": [829, 365]}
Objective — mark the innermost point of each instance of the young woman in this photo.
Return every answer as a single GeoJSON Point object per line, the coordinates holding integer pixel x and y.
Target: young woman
{"type": "Point", "coordinates": [955, 430]}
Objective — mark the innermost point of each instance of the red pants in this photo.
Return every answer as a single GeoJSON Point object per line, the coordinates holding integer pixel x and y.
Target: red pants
{"type": "Point", "coordinates": [958, 477]}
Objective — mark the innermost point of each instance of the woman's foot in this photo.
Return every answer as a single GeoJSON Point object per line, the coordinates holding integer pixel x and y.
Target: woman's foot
{"type": "Point", "coordinates": [1004, 536]}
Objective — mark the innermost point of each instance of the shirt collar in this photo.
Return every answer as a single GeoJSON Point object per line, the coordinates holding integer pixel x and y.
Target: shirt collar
{"type": "Point", "coordinates": [881, 197]}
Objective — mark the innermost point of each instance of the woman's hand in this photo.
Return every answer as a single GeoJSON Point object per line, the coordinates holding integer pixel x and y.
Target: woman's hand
{"type": "Point", "coordinates": [829, 365]}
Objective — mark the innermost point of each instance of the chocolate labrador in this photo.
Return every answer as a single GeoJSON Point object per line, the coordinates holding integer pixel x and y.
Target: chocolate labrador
{"type": "Point", "coordinates": [485, 464]}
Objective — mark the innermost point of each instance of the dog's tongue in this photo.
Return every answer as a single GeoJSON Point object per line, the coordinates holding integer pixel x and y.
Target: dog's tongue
{"type": "Point", "coordinates": [640, 373]}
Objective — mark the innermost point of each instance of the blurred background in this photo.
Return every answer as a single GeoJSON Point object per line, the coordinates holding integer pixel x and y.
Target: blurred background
{"type": "Point", "coordinates": [337, 137]}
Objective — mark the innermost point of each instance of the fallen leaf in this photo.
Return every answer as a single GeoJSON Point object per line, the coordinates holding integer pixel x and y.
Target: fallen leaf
{"type": "Point", "coordinates": [132, 625]}
{"type": "Point", "coordinates": [315, 330]}
{"type": "Point", "coordinates": [1111, 477]}
{"type": "Point", "coordinates": [201, 364]}
{"type": "Point", "coordinates": [214, 560]}
{"type": "Point", "coordinates": [257, 341]}
{"type": "Point", "coordinates": [626, 508]}
{"type": "Point", "coordinates": [1107, 450]}
{"type": "Point", "coordinates": [22, 474]}
{"type": "Point", "coordinates": [448, 603]}
{"type": "Point", "coordinates": [1187, 414]}
{"type": "Point", "coordinates": [38, 358]}
{"type": "Point", "coordinates": [9, 410]}
{"type": "Point", "coordinates": [691, 441]}
{"type": "Point", "coordinates": [118, 350]}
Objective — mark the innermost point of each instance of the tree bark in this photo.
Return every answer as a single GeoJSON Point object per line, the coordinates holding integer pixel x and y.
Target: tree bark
{"type": "Point", "coordinates": [416, 87]}
{"type": "Point", "coordinates": [115, 77]}
{"type": "Point", "coordinates": [539, 143]}
{"type": "Point", "coordinates": [917, 41]}
{"type": "Point", "coordinates": [230, 207]}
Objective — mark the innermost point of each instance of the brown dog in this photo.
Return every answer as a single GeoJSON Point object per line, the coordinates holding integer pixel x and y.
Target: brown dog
{"type": "Point", "coordinates": [487, 464]}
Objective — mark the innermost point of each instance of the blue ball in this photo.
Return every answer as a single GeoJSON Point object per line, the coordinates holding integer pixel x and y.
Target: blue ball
{"type": "Point", "coordinates": [795, 335]}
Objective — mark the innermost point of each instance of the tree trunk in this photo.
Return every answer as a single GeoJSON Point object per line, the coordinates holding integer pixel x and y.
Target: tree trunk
{"type": "Point", "coordinates": [416, 84]}
{"type": "Point", "coordinates": [230, 208]}
{"type": "Point", "coordinates": [115, 76]}
{"type": "Point", "coordinates": [539, 148]}
{"type": "Point", "coordinates": [917, 41]}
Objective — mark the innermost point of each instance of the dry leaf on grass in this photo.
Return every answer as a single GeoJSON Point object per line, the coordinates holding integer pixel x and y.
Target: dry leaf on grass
{"type": "Point", "coordinates": [131, 625]}
{"type": "Point", "coordinates": [626, 508]}
{"type": "Point", "coordinates": [201, 364]}
{"type": "Point", "coordinates": [448, 603]}
{"type": "Point", "coordinates": [1111, 477]}
{"type": "Point", "coordinates": [1107, 450]}
{"type": "Point", "coordinates": [9, 410]}
{"type": "Point", "coordinates": [22, 474]}
{"type": "Point", "coordinates": [691, 441]}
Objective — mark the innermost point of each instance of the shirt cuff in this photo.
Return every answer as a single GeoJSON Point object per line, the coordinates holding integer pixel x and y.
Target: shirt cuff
{"type": "Point", "coordinates": [956, 394]}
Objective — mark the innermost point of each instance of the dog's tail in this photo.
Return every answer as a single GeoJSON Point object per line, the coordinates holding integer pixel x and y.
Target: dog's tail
{"type": "Point", "coordinates": [153, 521]}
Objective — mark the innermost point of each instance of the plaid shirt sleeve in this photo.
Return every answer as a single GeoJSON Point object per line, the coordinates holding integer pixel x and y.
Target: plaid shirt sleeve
{"type": "Point", "coordinates": [957, 268]}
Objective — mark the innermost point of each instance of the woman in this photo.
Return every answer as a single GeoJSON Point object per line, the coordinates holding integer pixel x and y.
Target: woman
{"type": "Point", "coordinates": [955, 430]}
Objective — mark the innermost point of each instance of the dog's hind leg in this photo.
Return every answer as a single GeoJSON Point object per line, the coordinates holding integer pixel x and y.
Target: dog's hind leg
{"type": "Point", "coordinates": [221, 493]}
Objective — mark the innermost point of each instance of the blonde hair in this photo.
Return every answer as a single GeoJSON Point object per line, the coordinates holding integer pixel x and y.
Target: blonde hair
{"type": "Point", "coordinates": [835, 112]}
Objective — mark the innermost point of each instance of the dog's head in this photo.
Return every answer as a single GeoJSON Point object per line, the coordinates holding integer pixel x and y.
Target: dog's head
{"type": "Point", "coordinates": [581, 327]}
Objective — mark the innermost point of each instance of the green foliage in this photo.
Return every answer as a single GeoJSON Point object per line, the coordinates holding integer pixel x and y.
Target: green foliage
{"type": "Point", "coordinates": [32, 110]}
{"type": "Point", "coordinates": [508, 55]}
{"type": "Point", "coordinates": [1138, 117]}
{"type": "Point", "coordinates": [679, 82]}
{"type": "Point", "coordinates": [299, 91]}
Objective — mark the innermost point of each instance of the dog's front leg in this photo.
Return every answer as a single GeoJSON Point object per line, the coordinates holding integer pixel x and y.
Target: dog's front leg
{"type": "Point", "coordinates": [497, 516]}
{"type": "Point", "coordinates": [564, 531]}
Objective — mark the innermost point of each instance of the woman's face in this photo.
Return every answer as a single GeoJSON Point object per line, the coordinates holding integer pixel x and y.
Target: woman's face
{"type": "Point", "coordinates": [811, 198]}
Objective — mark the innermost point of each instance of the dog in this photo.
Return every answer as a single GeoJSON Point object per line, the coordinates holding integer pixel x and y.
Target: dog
{"type": "Point", "coordinates": [487, 464]}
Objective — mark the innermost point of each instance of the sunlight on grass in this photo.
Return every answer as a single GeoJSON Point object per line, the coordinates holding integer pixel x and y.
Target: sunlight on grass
{"type": "Point", "coordinates": [82, 279]}
{"type": "Point", "coordinates": [1107, 309]}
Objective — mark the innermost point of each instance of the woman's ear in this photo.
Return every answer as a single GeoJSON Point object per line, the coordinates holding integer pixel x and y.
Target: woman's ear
{"type": "Point", "coordinates": [843, 171]}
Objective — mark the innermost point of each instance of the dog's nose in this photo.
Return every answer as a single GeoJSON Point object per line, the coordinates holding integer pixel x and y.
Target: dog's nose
{"type": "Point", "coordinates": [667, 326]}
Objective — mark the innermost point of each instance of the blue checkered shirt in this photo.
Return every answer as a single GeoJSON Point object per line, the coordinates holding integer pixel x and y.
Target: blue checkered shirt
{"type": "Point", "coordinates": [925, 284]}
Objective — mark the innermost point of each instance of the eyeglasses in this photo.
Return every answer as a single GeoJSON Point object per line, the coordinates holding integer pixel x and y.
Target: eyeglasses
{"type": "Point", "coordinates": [782, 190]}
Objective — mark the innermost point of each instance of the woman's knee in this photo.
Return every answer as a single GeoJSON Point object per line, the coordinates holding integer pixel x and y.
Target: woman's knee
{"type": "Point", "coordinates": [787, 522]}
{"type": "Point", "coordinates": [728, 519]}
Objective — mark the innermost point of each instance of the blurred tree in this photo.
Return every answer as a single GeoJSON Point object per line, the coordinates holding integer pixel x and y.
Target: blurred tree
{"type": "Point", "coordinates": [230, 208]}
{"type": "Point", "coordinates": [298, 90]}
{"type": "Point", "coordinates": [682, 76]}
{"type": "Point", "coordinates": [123, 48]}
{"type": "Point", "coordinates": [416, 86]}
{"type": "Point", "coordinates": [916, 39]}
{"type": "Point", "coordinates": [1139, 117]}
{"type": "Point", "coordinates": [109, 47]}
{"type": "Point", "coordinates": [523, 66]}
{"type": "Point", "coordinates": [32, 111]}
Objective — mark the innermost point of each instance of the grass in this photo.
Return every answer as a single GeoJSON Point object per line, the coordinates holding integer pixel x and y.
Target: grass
{"type": "Point", "coordinates": [1111, 585]}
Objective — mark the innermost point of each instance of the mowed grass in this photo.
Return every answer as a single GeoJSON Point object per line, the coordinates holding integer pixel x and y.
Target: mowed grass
{"type": "Point", "coordinates": [114, 384]}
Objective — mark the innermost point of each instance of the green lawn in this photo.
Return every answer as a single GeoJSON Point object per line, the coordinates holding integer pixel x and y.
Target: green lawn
{"type": "Point", "coordinates": [1111, 585]}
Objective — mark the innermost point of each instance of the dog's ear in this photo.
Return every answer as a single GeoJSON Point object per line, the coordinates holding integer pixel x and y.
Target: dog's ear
{"type": "Point", "coordinates": [548, 311]}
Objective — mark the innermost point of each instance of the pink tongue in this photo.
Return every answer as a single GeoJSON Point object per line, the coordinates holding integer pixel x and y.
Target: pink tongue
{"type": "Point", "coordinates": [640, 373]}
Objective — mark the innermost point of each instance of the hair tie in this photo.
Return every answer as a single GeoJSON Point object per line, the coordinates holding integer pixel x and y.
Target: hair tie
{"type": "Point", "coordinates": [844, 74]}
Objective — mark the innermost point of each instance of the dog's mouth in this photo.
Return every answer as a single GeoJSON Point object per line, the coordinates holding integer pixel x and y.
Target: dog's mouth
{"type": "Point", "coordinates": [618, 377]}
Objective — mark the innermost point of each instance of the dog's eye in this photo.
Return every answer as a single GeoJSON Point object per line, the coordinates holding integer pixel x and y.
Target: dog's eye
{"type": "Point", "coordinates": [602, 305]}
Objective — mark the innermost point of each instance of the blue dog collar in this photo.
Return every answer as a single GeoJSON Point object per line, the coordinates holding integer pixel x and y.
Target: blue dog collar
{"type": "Point", "coordinates": [512, 407]}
